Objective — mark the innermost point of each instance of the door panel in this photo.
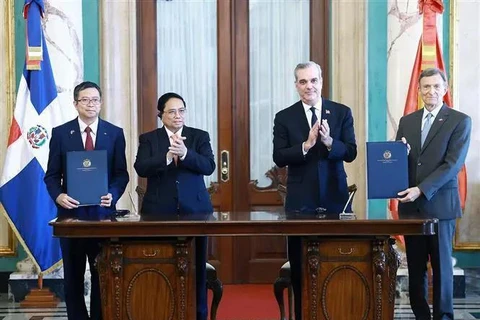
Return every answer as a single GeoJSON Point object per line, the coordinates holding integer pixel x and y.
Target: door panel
{"type": "Point", "coordinates": [237, 259]}
{"type": "Point", "coordinates": [278, 41]}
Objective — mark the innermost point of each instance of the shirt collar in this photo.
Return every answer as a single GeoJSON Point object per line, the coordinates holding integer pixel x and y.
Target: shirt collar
{"type": "Point", "coordinates": [318, 106]}
{"type": "Point", "coordinates": [170, 133]}
{"type": "Point", "coordinates": [93, 126]}
{"type": "Point", "coordinates": [434, 112]}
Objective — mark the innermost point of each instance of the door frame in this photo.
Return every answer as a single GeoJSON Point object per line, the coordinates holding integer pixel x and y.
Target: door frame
{"type": "Point", "coordinates": [239, 192]}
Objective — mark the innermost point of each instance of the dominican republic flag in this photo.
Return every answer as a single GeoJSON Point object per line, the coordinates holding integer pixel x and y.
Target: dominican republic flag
{"type": "Point", "coordinates": [23, 193]}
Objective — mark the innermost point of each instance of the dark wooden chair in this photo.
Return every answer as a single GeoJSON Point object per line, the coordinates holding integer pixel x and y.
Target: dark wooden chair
{"type": "Point", "coordinates": [284, 280]}
{"type": "Point", "coordinates": [213, 283]}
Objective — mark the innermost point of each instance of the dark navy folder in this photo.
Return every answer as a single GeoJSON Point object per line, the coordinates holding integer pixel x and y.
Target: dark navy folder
{"type": "Point", "coordinates": [87, 176]}
{"type": "Point", "coordinates": [387, 169]}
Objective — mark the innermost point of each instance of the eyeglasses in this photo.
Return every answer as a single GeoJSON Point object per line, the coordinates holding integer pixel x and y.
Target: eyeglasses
{"type": "Point", "coordinates": [173, 112]}
{"type": "Point", "coordinates": [86, 101]}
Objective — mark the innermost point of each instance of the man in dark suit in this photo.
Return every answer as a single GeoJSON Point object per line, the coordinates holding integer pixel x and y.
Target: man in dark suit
{"type": "Point", "coordinates": [313, 137]}
{"type": "Point", "coordinates": [87, 132]}
{"type": "Point", "coordinates": [175, 159]}
{"type": "Point", "coordinates": [438, 138]}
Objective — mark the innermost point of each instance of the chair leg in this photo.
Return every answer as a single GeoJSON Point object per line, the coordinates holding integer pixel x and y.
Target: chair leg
{"type": "Point", "coordinates": [217, 289]}
{"type": "Point", "coordinates": [290, 302]}
{"type": "Point", "coordinates": [278, 286]}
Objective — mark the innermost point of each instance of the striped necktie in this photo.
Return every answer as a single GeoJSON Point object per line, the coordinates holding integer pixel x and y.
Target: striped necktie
{"type": "Point", "coordinates": [426, 127]}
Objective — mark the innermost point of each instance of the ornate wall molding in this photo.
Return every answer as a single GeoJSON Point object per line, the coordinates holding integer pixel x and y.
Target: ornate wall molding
{"type": "Point", "coordinates": [464, 84]}
{"type": "Point", "coordinates": [118, 79]}
{"type": "Point", "coordinates": [7, 104]}
{"type": "Point", "coordinates": [349, 83]}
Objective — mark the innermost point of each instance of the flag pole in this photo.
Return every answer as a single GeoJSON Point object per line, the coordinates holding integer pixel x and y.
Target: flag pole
{"type": "Point", "coordinates": [40, 297]}
{"type": "Point", "coordinates": [33, 120]}
{"type": "Point", "coordinates": [40, 281]}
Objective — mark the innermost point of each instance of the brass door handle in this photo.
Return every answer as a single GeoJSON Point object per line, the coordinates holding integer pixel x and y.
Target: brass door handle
{"type": "Point", "coordinates": [340, 250]}
{"type": "Point", "coordinates": [224, 165]}
{"type": "Point", "coordinates": [148, 254]}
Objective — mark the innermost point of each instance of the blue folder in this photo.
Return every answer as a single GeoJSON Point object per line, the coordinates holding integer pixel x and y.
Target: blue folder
{"type": "Point", "coordinates": [387, 169]}
{"type": "Point", "coordinates": [87, 176]}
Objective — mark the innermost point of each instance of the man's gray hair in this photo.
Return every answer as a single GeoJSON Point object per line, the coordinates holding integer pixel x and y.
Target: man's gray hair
{"type": "Point", "coordinates": [305, 65]}
{"type": "Point", "coordinates": [431, 72]}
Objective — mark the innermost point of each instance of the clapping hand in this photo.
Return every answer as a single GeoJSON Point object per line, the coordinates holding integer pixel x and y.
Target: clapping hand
{"type": "Point", "coordinates": [177, 147]}
{"type": "Point", "coordinates": [325, 134]}
{"type": "Point", "coordinates": [312, 137]}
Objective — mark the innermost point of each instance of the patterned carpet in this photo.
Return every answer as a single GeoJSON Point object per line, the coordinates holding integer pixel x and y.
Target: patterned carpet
{"type": "Point", "coordinates": [465, 309]}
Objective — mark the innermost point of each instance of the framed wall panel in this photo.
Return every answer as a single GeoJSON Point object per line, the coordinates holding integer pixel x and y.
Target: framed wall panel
{"type": "Point", "coordinates": [465, 88]}
{"type": "Point", "coordinates": [7, 100]}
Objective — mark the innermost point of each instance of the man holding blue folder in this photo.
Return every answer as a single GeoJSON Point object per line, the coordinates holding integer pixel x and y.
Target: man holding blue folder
{"type": "Point", "coordinates": [87, 132]}
{"type": "Point", "coordinates": [438, 138]}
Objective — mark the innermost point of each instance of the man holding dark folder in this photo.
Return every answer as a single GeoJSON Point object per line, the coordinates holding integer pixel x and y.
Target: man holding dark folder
{"type": "Point", "coordinates": [313, 137]}
{"type": "Point", "coordinates": [86, 133]}
{"type": "Point", "coordinates": [437, 138]}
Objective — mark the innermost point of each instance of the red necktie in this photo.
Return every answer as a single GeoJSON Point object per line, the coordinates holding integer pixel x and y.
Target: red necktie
{"type": "Point", "coordinates": [175, 157]}
{"type": "Point", "coordinates": [88, 140]}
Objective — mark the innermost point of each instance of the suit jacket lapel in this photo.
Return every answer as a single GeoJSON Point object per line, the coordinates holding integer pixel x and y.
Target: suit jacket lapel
{"type": "Point", "coordinates": [301, 119]}
{"type": "Point", "coordinates": [101, 140]}
{"type": "Point", "coordinates": [326, 112]}
{"type": "Point", "coordinates": [75, 136]}
{"type": "Point", "coordinates": [163, 140]}
{"type": "Point", "coordinates": [187, 133]}
{"type": "Point", "coordinates": [417, 130]}
{"type": "Point", "coordinates": [440, 119]}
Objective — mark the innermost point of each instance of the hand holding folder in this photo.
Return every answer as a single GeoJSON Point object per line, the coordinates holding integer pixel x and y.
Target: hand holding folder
{"type": "Point", "coordinates": [387, 169]}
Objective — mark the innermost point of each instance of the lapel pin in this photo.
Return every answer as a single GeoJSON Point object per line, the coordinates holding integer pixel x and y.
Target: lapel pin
{"type": "Point", "coordinates": [72, 131]}
{"type": "Point", "coordinates": [327, 111]}
{"type": "Point", "coordinates": [440, 120]}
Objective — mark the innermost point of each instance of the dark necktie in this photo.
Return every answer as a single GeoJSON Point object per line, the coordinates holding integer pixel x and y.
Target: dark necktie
{"type": "Point", "coordinates": [314, 117]}
{"type": "Point", "coordinates": [426, 128]}
{"type": "Point", "coordinates": [88, 140]}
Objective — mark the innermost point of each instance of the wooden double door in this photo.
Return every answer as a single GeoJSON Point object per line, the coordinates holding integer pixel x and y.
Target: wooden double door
{"type": "Point", "coordinates": [238, 259]}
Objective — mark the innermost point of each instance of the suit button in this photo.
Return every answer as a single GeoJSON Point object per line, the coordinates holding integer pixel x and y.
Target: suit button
{"type": "Point", "coordinates": [419, 164]}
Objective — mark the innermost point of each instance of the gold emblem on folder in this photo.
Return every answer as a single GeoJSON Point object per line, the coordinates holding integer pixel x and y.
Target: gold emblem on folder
{"type": "Point", "coordinates": [387, 154]}
{"type": "Point", "coordinates": [87, 163]}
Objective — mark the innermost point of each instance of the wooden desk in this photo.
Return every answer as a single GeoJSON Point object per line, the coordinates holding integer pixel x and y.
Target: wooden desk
{"type": "Point", "coordinates": [146, 268]}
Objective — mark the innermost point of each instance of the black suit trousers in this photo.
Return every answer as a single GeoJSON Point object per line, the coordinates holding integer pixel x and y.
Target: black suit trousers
{"type": "Point", "coordinates": [438, 250]}
{"type": "Point", "coordinates": [75, 253]}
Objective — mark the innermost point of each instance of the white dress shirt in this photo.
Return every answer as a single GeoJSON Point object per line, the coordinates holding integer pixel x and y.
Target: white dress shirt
{"type": "Point", "coordinates": [308, 114]}
{"type": "Point", "coordinates": [93, 133]}
{"type": "Point", "coordinates": [434, 113]}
